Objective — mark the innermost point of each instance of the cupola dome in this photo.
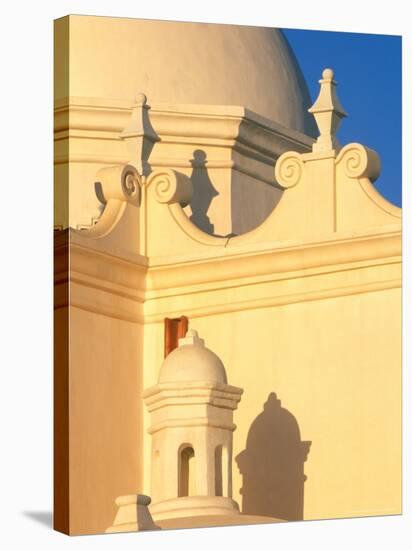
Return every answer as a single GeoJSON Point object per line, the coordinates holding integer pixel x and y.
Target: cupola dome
{"type": "Point", "coordinates": [192, 362]}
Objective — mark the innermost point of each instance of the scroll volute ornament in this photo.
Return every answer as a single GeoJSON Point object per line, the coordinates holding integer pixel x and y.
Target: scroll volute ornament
{"type": "Point", "coordinates": [359, 161]}
{"type": "Point", "coordinates": [169, 187]}
{"type": "Point", "coordinates": [116, 187]}
{"type": "Point", "coordinates": [289, 169]}
{"type": "Point", "coordinates": [328, 113]}
{"type": "Point", "coordinates": [121, 182]}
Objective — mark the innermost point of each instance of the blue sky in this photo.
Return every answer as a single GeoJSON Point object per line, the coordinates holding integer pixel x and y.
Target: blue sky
{"type": "Point", "coordinates": [367, 68]}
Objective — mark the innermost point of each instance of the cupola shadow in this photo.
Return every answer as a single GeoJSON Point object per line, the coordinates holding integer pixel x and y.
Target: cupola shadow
{"type": "Point", "coordinates": [272, 465]}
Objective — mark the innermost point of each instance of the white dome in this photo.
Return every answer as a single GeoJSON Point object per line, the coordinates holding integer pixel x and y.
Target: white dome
{"type": "Point", "coordinates": [192, 362]}
{"type": "Point", "coordinates": [184, 63]}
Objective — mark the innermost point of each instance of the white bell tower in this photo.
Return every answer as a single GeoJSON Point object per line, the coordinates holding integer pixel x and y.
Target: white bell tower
{"type": "Point", "coordinates": [192, 428]}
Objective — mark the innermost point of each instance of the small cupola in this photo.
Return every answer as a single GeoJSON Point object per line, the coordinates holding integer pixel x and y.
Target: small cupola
{"type": "Point", "coordinates": [192, 427]}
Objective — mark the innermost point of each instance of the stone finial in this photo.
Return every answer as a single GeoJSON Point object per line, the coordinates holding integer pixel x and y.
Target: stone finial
{"type": "Point", "coordinates": [140, 135]}
{"type": "Point", "coordinates": [328, 113]}
{"type": "Point", "coordinates": [191, 338]}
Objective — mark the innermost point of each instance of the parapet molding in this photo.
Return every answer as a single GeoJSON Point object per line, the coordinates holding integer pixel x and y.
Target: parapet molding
{"type": "Point", "coordinates": [112, 115]}
{"type": "Point", "coordinates": [275, 277]}
{"type": "Point", "coordinates": [97, 281]}
{"type": "Point", "coordinates": [215, 125]}
{"type": "Point", "coordinates": [166, 394]}
{"type": "Point", "coordinates": [277, 257]}
{"type": "Point", "coordinates": [142, 290]}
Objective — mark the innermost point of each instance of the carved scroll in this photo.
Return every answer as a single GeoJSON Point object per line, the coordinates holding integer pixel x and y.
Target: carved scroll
{"type": "Point", "coordinates": [288, 169]}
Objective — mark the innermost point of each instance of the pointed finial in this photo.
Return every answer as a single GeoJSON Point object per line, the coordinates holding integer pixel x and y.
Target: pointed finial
{"type": "Point", "coordinates": [328, 113]}
{"type": "Point", "coordinates": [140, 100]}
{"type": "Point", "coordinates": [140, 135]}
{"type": "Point", "coordinates": [191, 339]}
{"type": "Point", "coordinates": [327, 74]}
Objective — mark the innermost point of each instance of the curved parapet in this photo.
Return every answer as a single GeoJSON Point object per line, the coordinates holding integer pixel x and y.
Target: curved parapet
{"type": "Point", "coordinates": [168, 228]}
{"type": "Point", "coordinates": [359, 203]}
{"type": "Point", "coordinates": [335, 192]}
{"type": "Point", "coordinates": [326, 192]}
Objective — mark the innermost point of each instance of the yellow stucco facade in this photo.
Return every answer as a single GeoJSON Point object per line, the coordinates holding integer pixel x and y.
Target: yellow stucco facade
{"type": "Point", "coordinates": [289, 266]}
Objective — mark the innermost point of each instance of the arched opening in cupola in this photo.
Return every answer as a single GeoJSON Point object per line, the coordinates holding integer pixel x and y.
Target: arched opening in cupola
{"type": "Point", "coordinates": [187, 473]}
{"type": "Point", "coordinates": [221, 472]}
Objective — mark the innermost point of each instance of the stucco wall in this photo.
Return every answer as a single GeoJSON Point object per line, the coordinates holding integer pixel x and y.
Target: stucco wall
{"type": "Point", "coordinates": [105, 378]}
{"type": "Point", "coordinates": [335, 365]}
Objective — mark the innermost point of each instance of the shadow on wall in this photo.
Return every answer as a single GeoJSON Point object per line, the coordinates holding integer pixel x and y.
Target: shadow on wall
{"type": "Point", "coordinates": [203, 192]}
{"type": "Point", "coordinates": [272, 465]}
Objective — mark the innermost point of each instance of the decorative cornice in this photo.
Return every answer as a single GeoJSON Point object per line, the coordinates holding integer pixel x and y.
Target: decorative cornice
{"type": "Point", "coordinates": [96, 283]}
{"type": "Point", "coordinates": [205, 286]}
{"type": "Point", "coordinates": [189, 423]}
{"type": "Point", "coordinates": [224, 307]}
{"type": "Point", "coordinates": [183, 393]}
{"type": "Point", "coordinates": [144, 292]}
{"type": "Point", "coordinates": [95, 287]}
{"type": "Point", "coordinates": [273, 258]}
{"type": "Point", "coordinates": [117, 112]}
{"type": "Point", "coordinates": [224, 126]}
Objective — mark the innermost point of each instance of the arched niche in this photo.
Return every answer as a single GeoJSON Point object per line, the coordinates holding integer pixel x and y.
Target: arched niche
{"type": "Point", "coordinates": [222, 488]}
{"type": "Point", "coordinates": [187, 472]}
